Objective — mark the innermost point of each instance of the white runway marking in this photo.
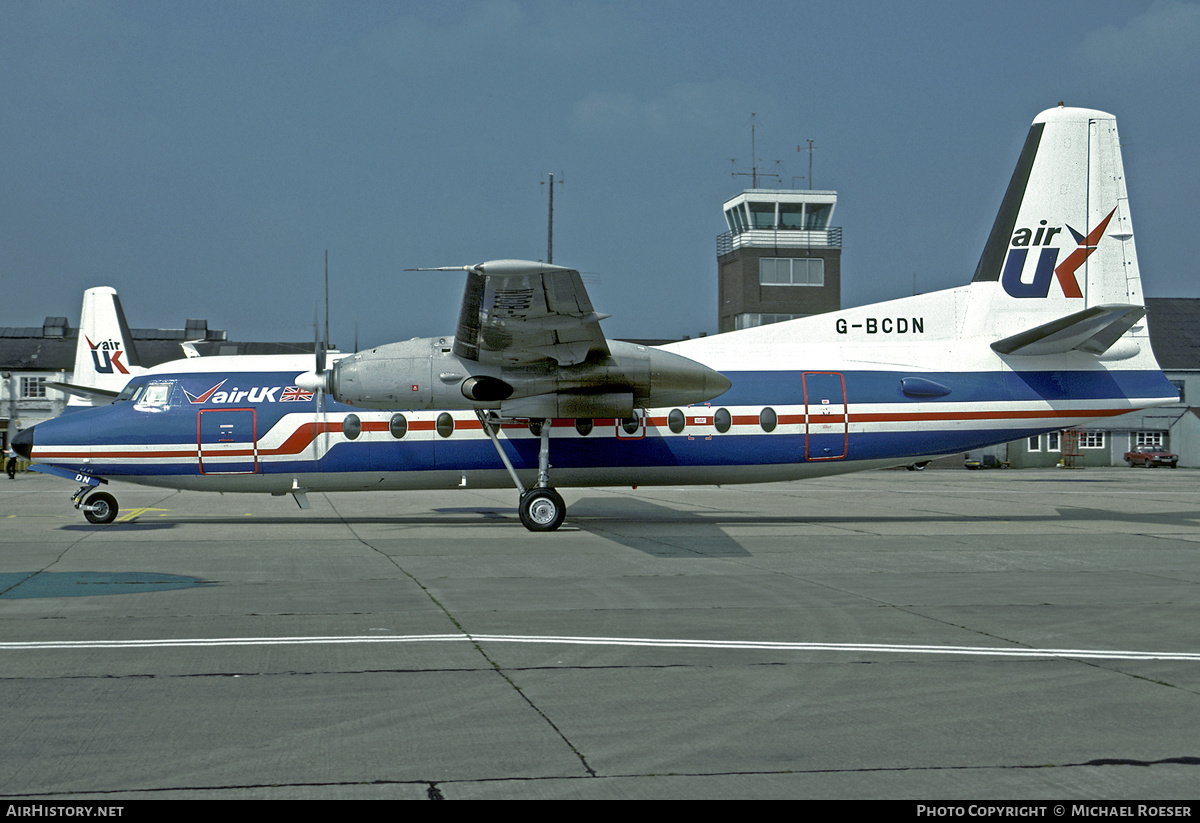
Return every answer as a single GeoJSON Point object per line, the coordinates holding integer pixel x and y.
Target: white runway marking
{"type": "Point", "coordinates": [743, 645]}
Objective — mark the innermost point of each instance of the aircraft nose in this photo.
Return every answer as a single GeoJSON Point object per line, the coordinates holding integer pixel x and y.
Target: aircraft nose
{"type": "Point", "coordinates": [22, 444]}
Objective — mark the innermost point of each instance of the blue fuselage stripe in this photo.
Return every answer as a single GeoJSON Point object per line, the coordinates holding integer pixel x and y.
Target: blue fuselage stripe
{"type": "Point", "coordinates": [135, 440]}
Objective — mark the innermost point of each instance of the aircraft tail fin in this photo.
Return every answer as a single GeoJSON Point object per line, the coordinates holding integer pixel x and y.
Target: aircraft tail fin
{"type": "Point", "coordinates": [105, 358]}
{"type": "Point", "coordinates": [1059, 271]}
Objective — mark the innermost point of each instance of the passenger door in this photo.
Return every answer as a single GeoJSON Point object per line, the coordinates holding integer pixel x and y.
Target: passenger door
{"type": "Point", "coordinates": [825, 418]}
{"type": "Point", "coordinates": [227, 443]}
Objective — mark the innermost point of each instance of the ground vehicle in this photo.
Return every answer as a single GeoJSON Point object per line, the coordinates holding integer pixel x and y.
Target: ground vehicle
{"type": "Point", "coordinates": [1150, 456]}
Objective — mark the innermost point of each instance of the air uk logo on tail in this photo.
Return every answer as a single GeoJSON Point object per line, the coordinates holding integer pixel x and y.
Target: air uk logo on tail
{"type": "Point", "coordinates": [106, 356]}
{"type": "Point", "coordinates": [1048, 267]}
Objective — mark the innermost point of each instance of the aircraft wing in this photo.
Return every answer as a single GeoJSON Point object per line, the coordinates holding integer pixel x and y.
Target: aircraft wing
{"type": "Point", "coordinates": [517, 312]}
{"type": "Point", "coordinates": [1092, 330]}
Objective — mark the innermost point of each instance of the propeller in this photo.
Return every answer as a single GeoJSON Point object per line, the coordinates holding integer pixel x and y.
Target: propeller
{"type": "Point", "coordinates": [318, 379]}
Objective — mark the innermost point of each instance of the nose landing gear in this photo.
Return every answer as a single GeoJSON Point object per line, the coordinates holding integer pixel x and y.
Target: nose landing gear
{"type": "Point", "coordinates": [99, 509]}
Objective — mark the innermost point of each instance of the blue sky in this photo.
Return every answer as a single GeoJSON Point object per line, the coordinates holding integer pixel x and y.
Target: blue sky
{"type": "Point", "coordinates": [201, 157]}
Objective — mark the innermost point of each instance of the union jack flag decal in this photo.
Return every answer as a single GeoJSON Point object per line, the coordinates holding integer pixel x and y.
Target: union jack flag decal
{"type": "Point", "coordinates": [292, 393]}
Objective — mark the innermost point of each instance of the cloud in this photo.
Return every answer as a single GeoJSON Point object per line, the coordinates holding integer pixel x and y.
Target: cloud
{"type": "Point", "coordinates": [1159, 44]}
{"type": "Point", "coordinates": [682, 108]}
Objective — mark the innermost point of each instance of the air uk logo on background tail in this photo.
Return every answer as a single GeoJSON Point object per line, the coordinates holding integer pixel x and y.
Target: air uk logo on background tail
{"type": "Point", "coordinates": [106, 356]}
{"type": "Point", "coordinates": [1048, 268]}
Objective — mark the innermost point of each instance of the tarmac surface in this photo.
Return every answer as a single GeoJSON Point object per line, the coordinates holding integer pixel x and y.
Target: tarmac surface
{"type": "Point", "coordinates": [935, 635]}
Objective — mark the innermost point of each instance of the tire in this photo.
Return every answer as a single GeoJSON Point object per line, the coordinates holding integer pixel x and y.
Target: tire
{"type": "Point", "coordinates": [542, 510]}
{"type": "Point", "coordinates": [105, 508]}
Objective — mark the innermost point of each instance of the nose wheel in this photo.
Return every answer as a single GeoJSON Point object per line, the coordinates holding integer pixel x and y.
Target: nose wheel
{"type": "Point", "coordinates": [100, 508]}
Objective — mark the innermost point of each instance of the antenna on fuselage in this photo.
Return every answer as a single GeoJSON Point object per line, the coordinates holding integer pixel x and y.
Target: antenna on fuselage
{"type": "Point", "coordinates": [550, 220]}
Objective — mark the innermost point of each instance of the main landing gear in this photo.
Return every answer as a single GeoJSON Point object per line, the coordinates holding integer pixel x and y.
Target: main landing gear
{"type": "Point", "coordinates": [100, 507]}
{"type": "Point", "coordinates": [541, 508]}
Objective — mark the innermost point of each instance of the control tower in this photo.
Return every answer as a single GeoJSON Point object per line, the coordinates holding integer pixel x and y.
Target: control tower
{"type": "Point", "coordinates": [781, 259]}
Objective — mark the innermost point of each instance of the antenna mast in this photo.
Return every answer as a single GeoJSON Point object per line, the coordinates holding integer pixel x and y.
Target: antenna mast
{"type": "Point", "coordinates": [810, 151]}
{"type": "Point", "coordinates": [753, 173]}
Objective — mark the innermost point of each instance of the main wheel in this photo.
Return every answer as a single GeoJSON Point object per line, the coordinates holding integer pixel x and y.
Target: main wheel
{"type": "Point", "coordinates": [542, 510]}
{"type": "Point", "coordinates": [103, 508]}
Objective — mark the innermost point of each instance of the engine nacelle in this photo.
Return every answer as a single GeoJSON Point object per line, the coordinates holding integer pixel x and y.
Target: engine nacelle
{"type": "Point", "coordinates": [424, 373]}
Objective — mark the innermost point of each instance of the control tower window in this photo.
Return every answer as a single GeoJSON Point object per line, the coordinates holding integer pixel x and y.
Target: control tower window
{"type": "Point", "coordinates": [791, 271]}
{"type": "Point", "coordinates": [736, 219]}
{"type": "Point", "coordinates": [791, 215]}
{"type": "Point", "coordinates": [763, 215]}
{"type": "Point", "coordinates": [818, 215]}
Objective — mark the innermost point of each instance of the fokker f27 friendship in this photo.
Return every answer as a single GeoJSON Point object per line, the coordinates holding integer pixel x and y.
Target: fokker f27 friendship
{"type": "Point", "coordinates": [1048, 334]}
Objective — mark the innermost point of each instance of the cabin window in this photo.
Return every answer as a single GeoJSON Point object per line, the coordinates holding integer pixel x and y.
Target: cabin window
{"type": "Point", "coordinates": [768, 419]}
{"type": "Point", "coordinates": [676, 420]}
{"type": "Point", "coordinates": [445, 424]}
{"type": "Point", "coordinates": [398, 426]}
{"type": "Point", "coordinates": [535, 426]}
{"type": "Point", "coordinates": [351, 427]}
{"type": "Point", "coordinates": [584, 426]}
{"type": "Point", "coordinates": [631, 425]}
{"type": "Point", "coordinates": [723, 420]}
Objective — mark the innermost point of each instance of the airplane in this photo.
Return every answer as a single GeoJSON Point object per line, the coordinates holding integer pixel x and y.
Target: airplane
{"type": "Point", "coordinates": [105, 359]}
{"type": "Point", "coordinates": [1049, 333]}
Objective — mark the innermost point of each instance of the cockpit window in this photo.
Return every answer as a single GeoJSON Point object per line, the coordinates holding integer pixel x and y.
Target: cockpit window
{"type": "Point", "coordinates": [156, 394]}
{"type": "Point", "coordinates": [130, 392]}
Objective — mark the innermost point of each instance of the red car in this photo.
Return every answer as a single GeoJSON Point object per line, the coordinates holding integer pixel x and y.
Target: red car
{"type": "Point", "coordinates": [1150, 456]}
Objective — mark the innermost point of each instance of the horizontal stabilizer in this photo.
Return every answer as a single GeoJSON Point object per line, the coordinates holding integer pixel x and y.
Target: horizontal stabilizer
{"type": "Point", "coordinates": [89, 392]}
{"type": "Point", "coordinates": [1092, 330]}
